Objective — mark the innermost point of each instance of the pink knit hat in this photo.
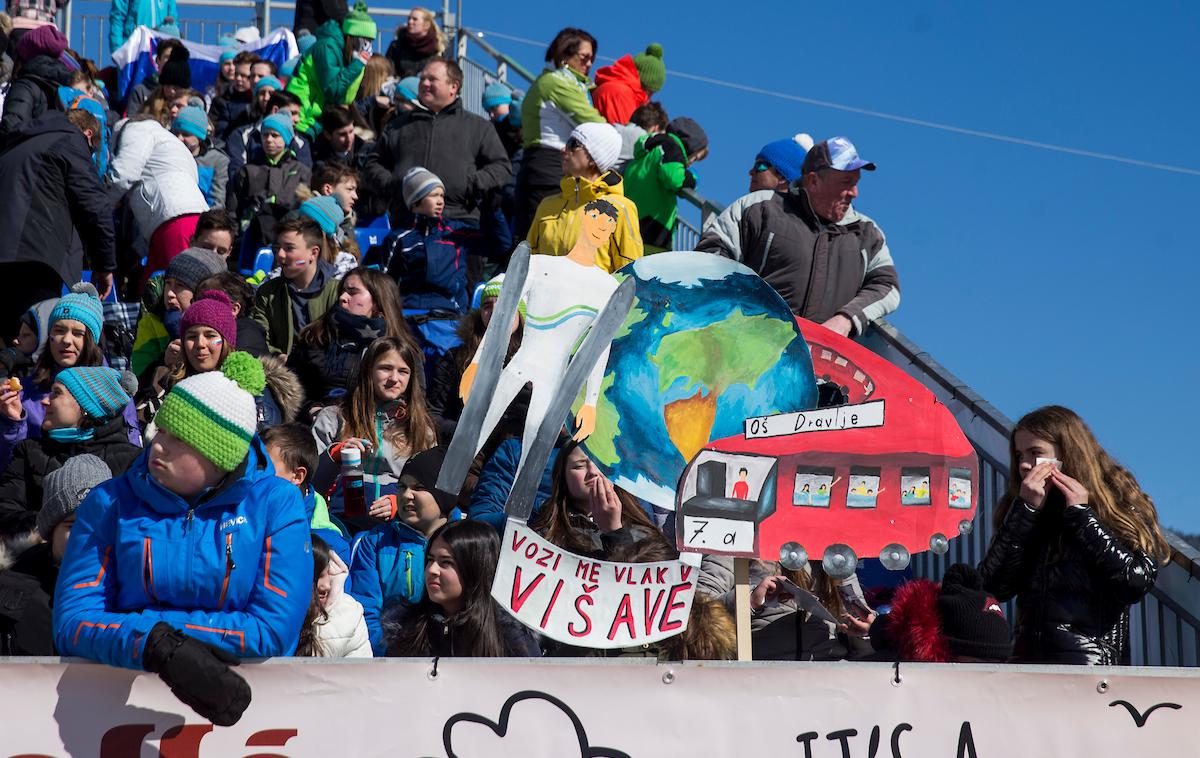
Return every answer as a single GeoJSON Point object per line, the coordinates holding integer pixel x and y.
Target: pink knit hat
{"type": "Point", "coordinates": [212, 308]}
{"type": "Point", "coordinates": [44, 40]}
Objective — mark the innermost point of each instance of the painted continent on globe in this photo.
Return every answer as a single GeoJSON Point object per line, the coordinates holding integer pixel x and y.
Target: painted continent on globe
{"type": "Point", "coordinates": [706, 345]}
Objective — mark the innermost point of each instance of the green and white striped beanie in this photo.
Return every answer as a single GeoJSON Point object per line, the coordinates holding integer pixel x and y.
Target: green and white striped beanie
{"type": "Point", "coordinates": [214, 412]}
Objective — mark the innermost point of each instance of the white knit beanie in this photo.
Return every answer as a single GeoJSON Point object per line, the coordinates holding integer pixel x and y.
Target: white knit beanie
{"type": "Point", "coordinates": [601, 141]}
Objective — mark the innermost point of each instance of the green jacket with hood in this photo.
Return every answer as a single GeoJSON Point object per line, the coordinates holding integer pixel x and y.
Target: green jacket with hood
{"type": "Point", "coordinates": [322, 76]}
{"type": "Point", "coordinates": [653, 179]}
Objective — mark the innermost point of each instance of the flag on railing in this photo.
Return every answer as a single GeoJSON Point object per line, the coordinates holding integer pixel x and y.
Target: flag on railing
{"type": "Point", "coordinates": [135, 59]}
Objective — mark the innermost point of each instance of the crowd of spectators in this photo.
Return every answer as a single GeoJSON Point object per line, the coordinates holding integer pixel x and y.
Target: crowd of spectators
{"type": "Point", "coordinates": [172, 430]}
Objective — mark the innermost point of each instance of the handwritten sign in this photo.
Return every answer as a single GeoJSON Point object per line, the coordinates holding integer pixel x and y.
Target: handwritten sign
{"type": "Point", "coordinates": [718, 535]}
{"type": "Point", "coordinates": [858, 416]}
{"type": "Point", "coordinates": [589, 603]}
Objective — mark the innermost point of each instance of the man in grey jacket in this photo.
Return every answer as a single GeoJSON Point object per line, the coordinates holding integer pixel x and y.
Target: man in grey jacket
{"type": "Point", "coordinates": [461, 148]}
{"type": "Point", "coordinates": [828, 261]}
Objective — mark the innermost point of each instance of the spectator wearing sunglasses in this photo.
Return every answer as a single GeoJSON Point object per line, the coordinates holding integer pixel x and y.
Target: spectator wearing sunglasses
{"type": "Point", "coordinates": [778, 164]}
{"type": "Point", "coordinates": [828, 261]}
{"type": "Point", "coordinates": [587, 161]}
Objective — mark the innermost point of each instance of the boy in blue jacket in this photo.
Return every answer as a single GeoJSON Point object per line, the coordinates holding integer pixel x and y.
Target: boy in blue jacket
{"type": "Point", "coordinates": [195, 557]}
{"type": "Point", "coordinates": [388, 563]}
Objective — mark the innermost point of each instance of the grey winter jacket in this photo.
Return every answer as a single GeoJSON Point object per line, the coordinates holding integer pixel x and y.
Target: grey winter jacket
{"type": "Point", "coordinates": [461, 148]}
{"type": "Point", "coordinates": [821, 269]}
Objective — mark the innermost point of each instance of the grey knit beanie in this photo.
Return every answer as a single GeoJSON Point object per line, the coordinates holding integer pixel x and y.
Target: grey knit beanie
{"type": "Point", "coordinates": [65, 488]}
{"type": "Point", "coordinates": [194, 265]}
{"type": "Point", "coordinates": [417, 183]}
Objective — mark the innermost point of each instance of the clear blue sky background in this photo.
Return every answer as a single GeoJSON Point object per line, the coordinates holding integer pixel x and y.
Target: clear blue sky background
{"type": "Point", "coordinates": [1037, 277]}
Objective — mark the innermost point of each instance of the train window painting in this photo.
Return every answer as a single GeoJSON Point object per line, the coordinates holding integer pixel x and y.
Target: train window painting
{"type": "Point", "coordinates": [914, 486]}
{"type": "Point", "coordinates": [864, 487]}
{"type": "Point", "coordinates": [960, 488]}
{"type": "Point", "coordinates": [813, 487]}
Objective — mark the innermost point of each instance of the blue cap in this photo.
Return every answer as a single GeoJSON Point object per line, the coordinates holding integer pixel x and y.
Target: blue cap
{"type": "Point", "coordinates": [228, 40]}
{"type": "Point", "coordinates": [268, 81]}
{"type": "Point", "coordinates": [82, 304]}
{"type": "Point", "coordinates": [282, 123]}
{"type": "Point", "coordinates": [326, 211]}
{"type": "Point", "coordinates": [837, 153]}
{"type": "Point", "coordinates": [228, 55]}
{"type": "Point", "coordinates": [191, 120]}
{"type": "Point", "coordinates": [289, 66]}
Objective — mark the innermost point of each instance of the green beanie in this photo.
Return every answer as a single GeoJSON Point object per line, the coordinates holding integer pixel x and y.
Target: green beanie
{"type": "Point", "coordinates": [358, 23]}
{"type": "Point", "coordinates": [651, 70]}
{"type": "Point", "coordinates": [214, 412]}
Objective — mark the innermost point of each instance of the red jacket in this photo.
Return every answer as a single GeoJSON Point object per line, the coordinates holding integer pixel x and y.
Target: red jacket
{"type": "Point", "coordinates": [618, 91]}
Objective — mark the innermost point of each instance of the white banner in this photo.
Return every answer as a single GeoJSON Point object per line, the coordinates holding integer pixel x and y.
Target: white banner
{"type": "Point", "coordinates": [610, 709]}
{"type": "Point", "coordinates": [590, 603]}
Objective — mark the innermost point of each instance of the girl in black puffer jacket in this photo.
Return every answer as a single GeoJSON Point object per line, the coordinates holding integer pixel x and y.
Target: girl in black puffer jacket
{"type": "Point", "coordinates": [328, 351]}
{"type": "Point", "coordinates": [1077, 542]}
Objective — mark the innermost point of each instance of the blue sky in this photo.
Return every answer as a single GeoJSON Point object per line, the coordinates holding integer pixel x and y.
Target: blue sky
{"type": "Point", "coordinates": [1038, 277]}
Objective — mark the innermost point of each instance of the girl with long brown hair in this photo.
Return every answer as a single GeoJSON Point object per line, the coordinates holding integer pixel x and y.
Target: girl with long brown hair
{"type": "Point", "coordinates": [1077, 542]}
{"type": "Point", "coordinates": [586, 514]}
{"type": "Point", "coordinates": [384, 416]}
{"type": "Point", "coordinates": [328, 351]}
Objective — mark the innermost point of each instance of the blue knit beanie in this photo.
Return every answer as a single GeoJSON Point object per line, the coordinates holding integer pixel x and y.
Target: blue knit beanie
{"type": "Point", "coordinates": [268, 81]}
{"type": "Point", "coordinates": [168, 26]}
{"type": "Point", "coordinates": [82, 305]}
{"type": "Point", "coordinates": [326, 211]}
{"type": "Point", "coordinates": [305, 40]}
{"type": "Point", "coordinates": [282, 123]}
{"type": "Point", "coordinates": [101, 392]}
{"type": "Point", "coordinates": [407, 88]}
{"type": "Point", "coordinates": [228, 40]}
{"type": "Point", "coordinates": [289, 66]}
{"type": "Point", "coordinates": [496, 93]}
{"type": "Point", "coordinates": [191, 120]}
{"type": "Point", "coordinates": [786, 156]}
{"type": "Point", "coordinates": [227, 55]}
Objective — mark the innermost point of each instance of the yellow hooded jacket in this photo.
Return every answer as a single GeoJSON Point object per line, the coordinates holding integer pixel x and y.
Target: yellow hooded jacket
{"type": "Point", "coordinates": [555, 227]}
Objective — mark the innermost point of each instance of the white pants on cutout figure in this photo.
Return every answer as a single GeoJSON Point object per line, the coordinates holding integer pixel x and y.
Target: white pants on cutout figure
{"type": "Point", "coordinates": [562, 299]}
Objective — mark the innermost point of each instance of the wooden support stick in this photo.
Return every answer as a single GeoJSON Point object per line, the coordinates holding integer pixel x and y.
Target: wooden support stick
{"type": "Point", "coordinates": [741, 592]}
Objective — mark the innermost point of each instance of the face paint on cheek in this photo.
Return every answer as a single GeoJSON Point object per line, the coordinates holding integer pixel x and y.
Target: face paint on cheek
{"type": "Point", "coordinates": [216, 342]}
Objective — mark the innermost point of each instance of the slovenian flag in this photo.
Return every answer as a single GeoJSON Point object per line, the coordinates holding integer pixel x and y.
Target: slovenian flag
{"type": "Point", "coordinates": [135, 59]}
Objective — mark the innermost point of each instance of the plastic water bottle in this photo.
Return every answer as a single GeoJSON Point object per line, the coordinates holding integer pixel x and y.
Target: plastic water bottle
{"type": "Point", "coordinates": [353, 495]}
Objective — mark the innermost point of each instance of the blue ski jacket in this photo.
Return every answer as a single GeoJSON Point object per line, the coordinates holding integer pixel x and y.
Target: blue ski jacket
{"type": "Point", "coordinates": [233, 568]}
{"type": "Point", "coordinates": [388, 566]}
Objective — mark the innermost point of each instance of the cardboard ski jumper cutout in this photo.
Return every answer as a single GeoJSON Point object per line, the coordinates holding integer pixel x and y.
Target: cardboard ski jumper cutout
{"type": "Point", "coordinates": [889, 474]}
{"type": "Point", "coordinates": [563, 296]}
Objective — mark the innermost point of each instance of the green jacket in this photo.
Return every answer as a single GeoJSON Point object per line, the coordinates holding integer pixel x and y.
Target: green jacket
{"type": "Point", "coordinates": [653, 179]}
{"type": "Point", "coordinates": [556, 103]}
{"type": "Point", "coordinates": [273, 309]}
{"type": "Point", "coordinates": [322, 76]}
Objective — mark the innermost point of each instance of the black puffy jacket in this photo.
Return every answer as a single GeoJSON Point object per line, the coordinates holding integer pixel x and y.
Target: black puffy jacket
{"type": "Point", "coordinates": [33, 92]}
{"type": "Point", "coordinates": [21, 483]}
{"type": "Point", "coordinates": [51, 192]}
{"type": "Point", "coordinates": [1074, 581]}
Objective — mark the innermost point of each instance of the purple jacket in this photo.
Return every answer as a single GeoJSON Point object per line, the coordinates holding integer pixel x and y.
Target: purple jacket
{"type": "Point", "coordinates": [30, 427]}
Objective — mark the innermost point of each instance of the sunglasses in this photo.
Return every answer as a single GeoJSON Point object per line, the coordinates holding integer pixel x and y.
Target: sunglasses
{"type": "Point", "coordinates": [760, 167]}
{"type": "Point", "coordinates": [573, 145]}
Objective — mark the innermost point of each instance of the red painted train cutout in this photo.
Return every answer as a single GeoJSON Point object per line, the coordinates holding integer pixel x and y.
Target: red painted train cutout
{"type": "Point", "coordinates": [889, 474]}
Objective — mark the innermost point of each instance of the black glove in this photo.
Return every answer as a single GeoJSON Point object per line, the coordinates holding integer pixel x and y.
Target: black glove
{"type": "Point", "coordinates": [197, 673]}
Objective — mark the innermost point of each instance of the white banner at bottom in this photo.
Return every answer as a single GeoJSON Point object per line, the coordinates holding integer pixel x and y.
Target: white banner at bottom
{"type": "Point", "coordinates": [610, 709]}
